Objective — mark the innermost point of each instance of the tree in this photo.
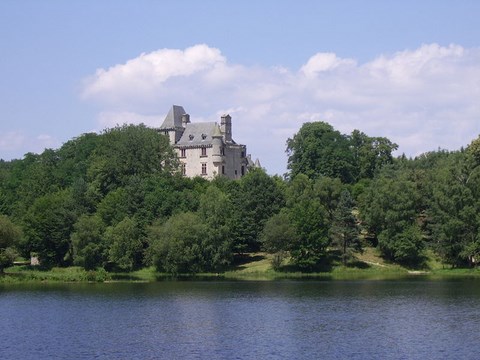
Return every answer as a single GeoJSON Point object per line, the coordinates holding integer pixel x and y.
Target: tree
{"type": "Point", "coordinates": [176, 246]}
{"type": "Point", "coordinates": [125, 245]}
{"type": "Point", "coordinates": [390, 211]}
{"type": "Point", "coordinates": [129, 150]}
{"type": "Point", "coordinates": [370, 154]}
{"type": "Point", "coordinates": [454, 205]}
{"type": "Point", "coordinates": [318, 150]}
{"type": "Point", "coordinates": [277, 237]}
{"type": "Point", "coordinates": [87, 241]}
{"type": "Point", "coordinates": [10, 235]}
{"type": "Point", "coordinates": [344, 230]}
{"type": "Point", "coordinates": [216, 211]}
{"type": "Point", "coordinates": [47, 227]}
{"type": "Point", "coordinates": [255, 200]}
{"type": "Point", "coordinates": [310, 218]}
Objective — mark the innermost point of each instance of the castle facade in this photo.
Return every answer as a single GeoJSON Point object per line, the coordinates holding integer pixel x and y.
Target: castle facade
{"type": "Point", "coordinates": [206, 149]}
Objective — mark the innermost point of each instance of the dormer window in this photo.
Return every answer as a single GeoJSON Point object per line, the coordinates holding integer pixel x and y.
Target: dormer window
{"type": "Point", "coordinates": [204, 136]}
{"type": "Point", "coordinates": [191, 137]}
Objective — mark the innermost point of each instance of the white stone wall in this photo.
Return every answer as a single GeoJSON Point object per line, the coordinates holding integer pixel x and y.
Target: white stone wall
{"type": "Point", "coordinates": [193, 161]}
{"type": "Point", "coordinates": [233, 161]}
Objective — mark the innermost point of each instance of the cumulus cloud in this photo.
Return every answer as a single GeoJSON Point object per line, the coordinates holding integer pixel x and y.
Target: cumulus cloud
{"type": "Point", "coordinates": [146, 73]}
{"type": "Point", "coordinates": [325, 62]}
{"type": "Point", "coordinates": [422, 99]}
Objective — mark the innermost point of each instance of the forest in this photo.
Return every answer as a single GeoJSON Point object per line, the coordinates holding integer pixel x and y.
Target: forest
{"type": "Point", "coordinates": [116, 201]}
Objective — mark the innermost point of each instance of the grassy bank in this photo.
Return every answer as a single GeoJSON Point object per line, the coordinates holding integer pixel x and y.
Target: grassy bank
{"type": "Point", "coordinates": [368, 266]}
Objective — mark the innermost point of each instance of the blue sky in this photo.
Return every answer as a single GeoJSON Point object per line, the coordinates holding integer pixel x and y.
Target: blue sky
{"type": "Point", "coordinates": [408, 70]}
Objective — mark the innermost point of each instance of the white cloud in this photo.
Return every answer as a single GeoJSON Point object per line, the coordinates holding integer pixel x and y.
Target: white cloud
{"type": "Point", "coordinates": [16, 142]}
{"type": "Point", "coordinates": [422, 99]}
{"type": "Point", "coordinates": [322, 62]}
{"type": "Point", "coordinates": [11, 141]}
{"type": "Point", "coordinates": [146, 73]}
{"type": "Point", "coordinates": [110, 119]}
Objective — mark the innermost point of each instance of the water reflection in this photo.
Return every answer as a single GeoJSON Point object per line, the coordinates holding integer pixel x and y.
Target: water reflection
{"type": "Point", "coordinates": [227, 320]}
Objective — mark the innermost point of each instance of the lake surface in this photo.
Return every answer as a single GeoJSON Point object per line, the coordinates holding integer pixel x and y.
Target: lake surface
{"type": "Point", "coordinates": [414, 319]}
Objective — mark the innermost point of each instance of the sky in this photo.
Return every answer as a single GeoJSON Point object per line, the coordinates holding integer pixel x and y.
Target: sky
{"type": "Point", "coordinates": [406, 70]}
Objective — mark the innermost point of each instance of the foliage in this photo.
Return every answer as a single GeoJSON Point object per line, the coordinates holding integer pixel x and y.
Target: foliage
{"type": "Point", "coordinates": [128, 151]}
{"type": "Point", "coordinates": [310, 218]}
{"type": "Point", "coordinates": [256, 198]}
{"type": "Point", "coordinates": [277, 236]}
{"type": "Point", "coordinates": [318, 150]}
{"type": "Point", "coordinates": [124, 241]}
{"type": "Point", "coordinates": [390, 210]}
{"type": "Point", "coordinates": [47, 227]}
{"type": "Point", "coordinates": [454, 210]}
{"type": "Point", "coordinates": [216, 210]}
{"type": "Point", "coordinates": [344, 231]}
{"type": "Point", "coordinates": [89, 249]}
{"type": "Point", "coordinates": [10, 235]}
{"type": "Point", "coordinates": [176, 246]}
{"type": "Point", "coordinates": [93, 202]}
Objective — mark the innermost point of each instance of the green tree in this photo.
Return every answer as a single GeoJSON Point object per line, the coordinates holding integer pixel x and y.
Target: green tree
{"type": "Point", "coordinates": [216, 211]}
{"type": "Point", "coordinates": [87, 242]}
{"type": "Point", "coordinates": [114, 206]}
{"type": "Point", "coordinates": [277, 237]}
{"type": "Point", "coordinates": [10, 235]}
{"type": "Point", "coordinates": [310, 218]}
{"type": "Point", "coordinates": [454, 208]}
{"type": "Point", "coordinates": [370, 154]}
{"type": "Point", "coordinates": [390, 210]}
{"type": "Point", "coordinates": [125, 247]}
{"type": "Point", "coordinates": [176, 246]}
{"type": "Point", "coordinates": [129, 150]}
{"type": "Point", "coordinates": [318, 150]}
{"type": "Point", "coordinates": [47, 227]}
{"type": "Point", "coordinates": [255, 200]}
{"type": "Point", "coordinates": [344, 230]}
{"type": "Point", "coordinates": [328, 191]}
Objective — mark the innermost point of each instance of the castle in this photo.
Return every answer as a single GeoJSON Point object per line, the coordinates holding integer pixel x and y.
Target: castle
{"type": "Point", "coordinates": [206, 149]}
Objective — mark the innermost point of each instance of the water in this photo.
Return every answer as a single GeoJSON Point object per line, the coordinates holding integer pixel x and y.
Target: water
{"type": "Point", "coordinates": [242, 320]}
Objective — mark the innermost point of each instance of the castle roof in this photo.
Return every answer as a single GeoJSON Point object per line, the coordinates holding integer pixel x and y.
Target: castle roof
{"type": "Point", "coordinates": [198, 134]}
{"type": "Point", "coordinates": [174, 118]}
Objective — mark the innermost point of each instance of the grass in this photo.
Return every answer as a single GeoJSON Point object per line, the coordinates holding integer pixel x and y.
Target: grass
{"type": "Point", "coordinates": [257, 266]}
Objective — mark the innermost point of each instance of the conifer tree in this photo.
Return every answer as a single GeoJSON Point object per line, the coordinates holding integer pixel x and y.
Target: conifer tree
{"type": "Point", "coordinates": [344, 230]}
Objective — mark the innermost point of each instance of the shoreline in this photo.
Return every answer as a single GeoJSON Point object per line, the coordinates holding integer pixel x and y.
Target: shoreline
{"type": "Point", "coordinates": [19, 275]}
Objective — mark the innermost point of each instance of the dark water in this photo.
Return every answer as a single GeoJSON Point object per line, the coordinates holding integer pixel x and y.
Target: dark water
{"type": "Point", "coordinates": [242, 320]}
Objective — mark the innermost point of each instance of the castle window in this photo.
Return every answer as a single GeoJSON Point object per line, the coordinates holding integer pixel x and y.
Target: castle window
{"type": "Point", "coordinates": [184, 169]}
{"type": "Point", "coordinates": [243, 154]}
{"type": "Point", "coordinates": [222, 151]}
{"type": "Point", "coordinates": [243, 170]}
{"type": "Point", "coordinates": [203, 152]}
{"type": "Point", "coordinates": [204, 136]}
{"type": "Point", "coordinates": [204, 169]}
{"type": "Point", "coordinates": [191, 137]}
{"type": "Point", "coordinates": [223, 170]}
{"type": "Point", "coordinates": [183, 153]}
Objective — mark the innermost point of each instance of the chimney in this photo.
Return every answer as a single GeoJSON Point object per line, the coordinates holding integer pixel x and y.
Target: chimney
{"type": "Point", "coordinates": [226, 127]}
{"type": "Point", "coordinates": [185, 120]}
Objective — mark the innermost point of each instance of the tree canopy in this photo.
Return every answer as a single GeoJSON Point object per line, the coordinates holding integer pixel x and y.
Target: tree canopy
{"type": "Point", "coordinates": [115, 200]}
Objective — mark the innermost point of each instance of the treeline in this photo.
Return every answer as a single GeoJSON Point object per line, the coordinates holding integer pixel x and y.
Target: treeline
{"type": "Point", "coordinates": [116, 200]}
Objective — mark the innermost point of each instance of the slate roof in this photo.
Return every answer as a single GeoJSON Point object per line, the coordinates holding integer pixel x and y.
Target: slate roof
{"type": "Point", "coordinates": [198, 134]}
{"type": "Point", "coordinates": [174, 118]}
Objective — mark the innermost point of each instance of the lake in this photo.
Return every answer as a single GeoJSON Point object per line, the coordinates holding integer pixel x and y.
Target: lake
{"type": "Point", "coordinates": [411, 319]}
